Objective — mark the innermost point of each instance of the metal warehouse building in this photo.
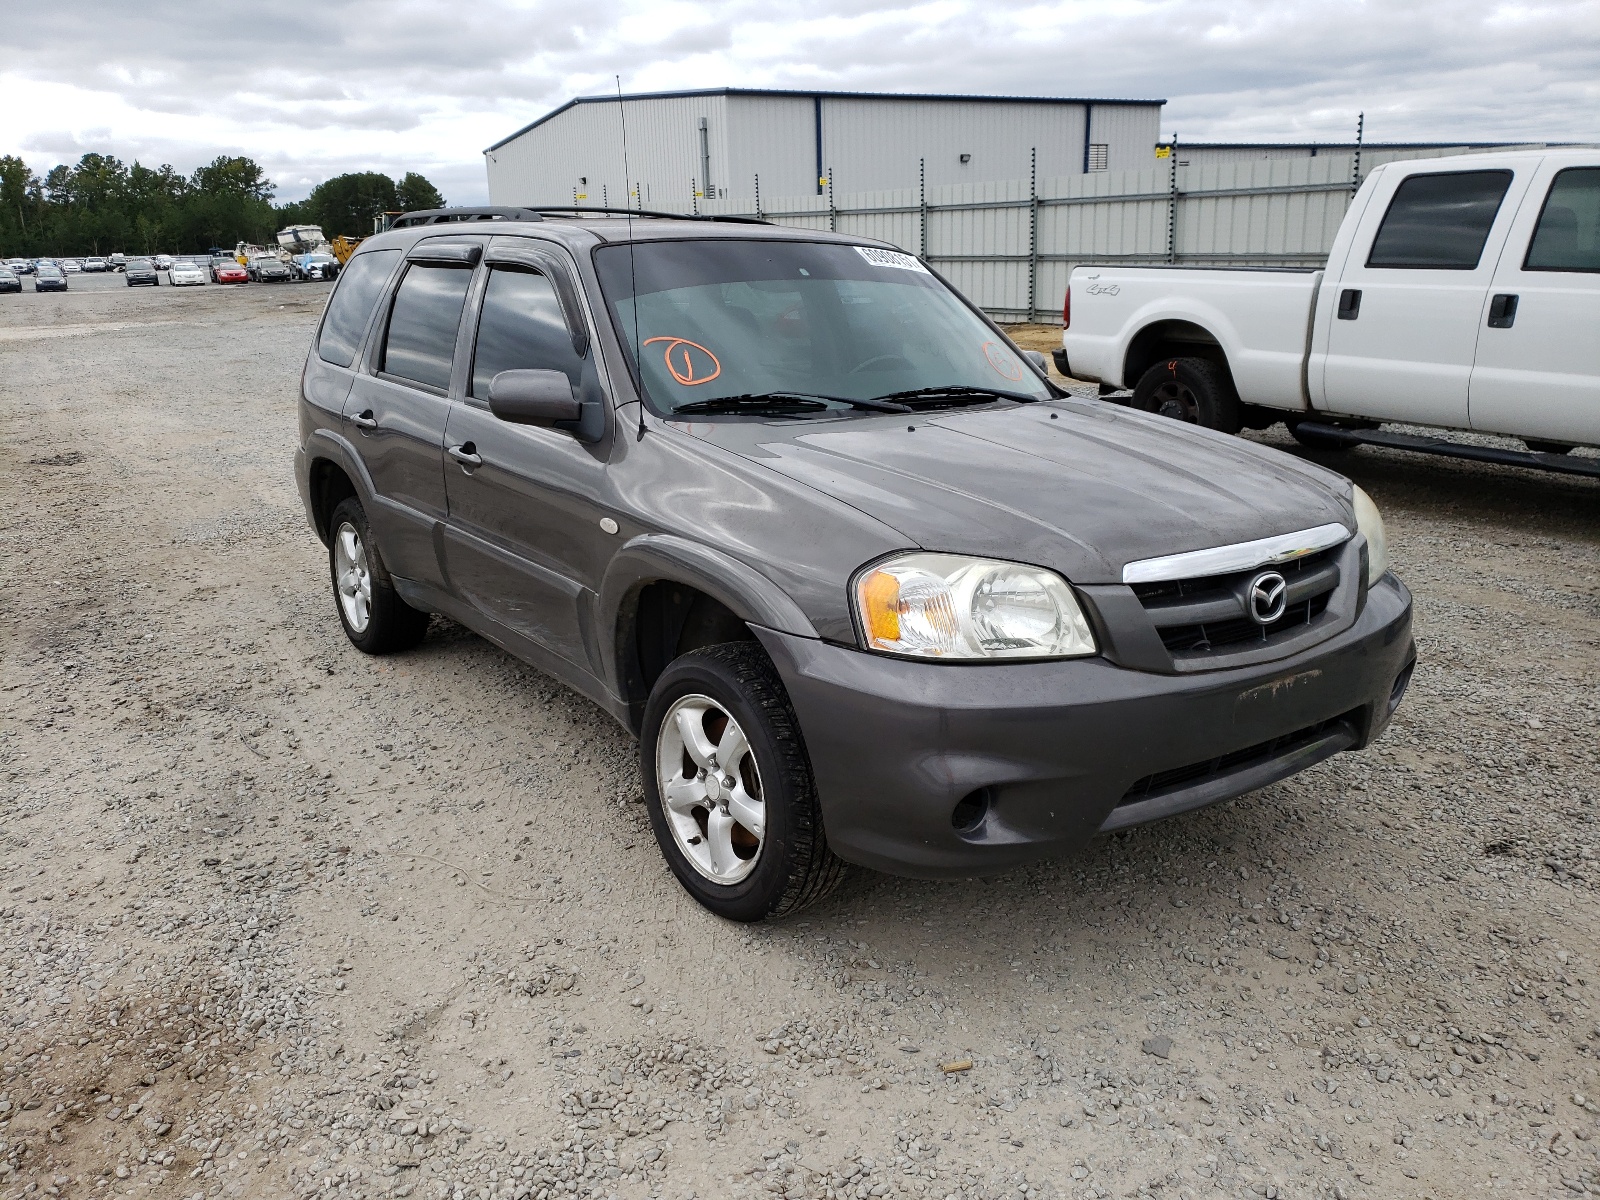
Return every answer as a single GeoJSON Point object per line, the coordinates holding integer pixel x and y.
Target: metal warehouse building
{"type": "Point", "coordinates": [686, 145]}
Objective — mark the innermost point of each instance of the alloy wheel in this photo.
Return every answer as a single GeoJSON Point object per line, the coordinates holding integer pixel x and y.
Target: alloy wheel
{"type": "Point", "coordinates": [710, 789]}
{"type": "Point", "coordinates": [352, 577]}
{"type": "Point", "coordinates": [1177, 401]}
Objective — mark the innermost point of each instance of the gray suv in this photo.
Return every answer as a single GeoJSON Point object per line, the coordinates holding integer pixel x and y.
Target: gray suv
{"type": "Point", "coordinates": [865, 584]}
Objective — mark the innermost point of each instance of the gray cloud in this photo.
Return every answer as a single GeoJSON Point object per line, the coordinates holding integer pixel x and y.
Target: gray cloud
{"type": "Point", "coordinates": [311, 89]}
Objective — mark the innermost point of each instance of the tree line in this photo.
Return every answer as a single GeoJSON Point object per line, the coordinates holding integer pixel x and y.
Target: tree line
{"type": "Point", "coordinates": [100, 205]}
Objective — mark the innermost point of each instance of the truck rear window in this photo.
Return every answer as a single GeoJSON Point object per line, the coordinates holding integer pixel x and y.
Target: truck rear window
{"type": "Point", "coordinates": [1439, 222]}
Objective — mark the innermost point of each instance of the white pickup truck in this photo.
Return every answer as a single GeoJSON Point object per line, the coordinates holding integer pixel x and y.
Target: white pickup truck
{"type": "Point", "coordinates": [1462, 293]}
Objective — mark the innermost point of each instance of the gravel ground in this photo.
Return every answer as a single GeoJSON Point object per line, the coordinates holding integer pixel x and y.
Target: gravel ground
{"type": "Point", "coordinates": [281, 920]}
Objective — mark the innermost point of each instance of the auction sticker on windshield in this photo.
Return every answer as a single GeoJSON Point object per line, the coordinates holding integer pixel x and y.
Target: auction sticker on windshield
{"type": "Point", "coordinates": [891, 258]}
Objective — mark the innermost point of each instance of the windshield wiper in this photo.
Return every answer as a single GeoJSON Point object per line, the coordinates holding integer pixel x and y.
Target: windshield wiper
{"type": "Point", "coordinates": [959, 392]}
{"type": "Point", "coordinates": [783, 402]}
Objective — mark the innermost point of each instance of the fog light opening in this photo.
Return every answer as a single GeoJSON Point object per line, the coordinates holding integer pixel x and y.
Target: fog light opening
{"type": "Point", "coordinates": [970, 810]}
{"type": "Point", "coordinates": [1398, 691]}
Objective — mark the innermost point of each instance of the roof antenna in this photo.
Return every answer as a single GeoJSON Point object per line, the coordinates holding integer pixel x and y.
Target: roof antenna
{"type": "Point", "coordinates": [633, 274]}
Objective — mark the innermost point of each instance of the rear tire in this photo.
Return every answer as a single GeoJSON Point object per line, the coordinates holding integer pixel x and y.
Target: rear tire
{"type": "Point", "coordinates": [375, 618]}
{"type": "Point", "coordinates": [729, 700]}
{"type": "Point", "coordinates": [1195, 390]}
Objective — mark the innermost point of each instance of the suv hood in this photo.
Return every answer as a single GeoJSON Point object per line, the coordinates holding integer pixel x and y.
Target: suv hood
{"type": "Point", "coordinates": [1081, 486]}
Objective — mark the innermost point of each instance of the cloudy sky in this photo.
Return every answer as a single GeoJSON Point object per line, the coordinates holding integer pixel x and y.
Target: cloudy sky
{"type": "Point", "coordinates": [311, 88]}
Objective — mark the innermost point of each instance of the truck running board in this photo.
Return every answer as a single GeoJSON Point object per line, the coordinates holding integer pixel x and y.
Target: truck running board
{"type": "Point", "coordinates": [1565, 464]}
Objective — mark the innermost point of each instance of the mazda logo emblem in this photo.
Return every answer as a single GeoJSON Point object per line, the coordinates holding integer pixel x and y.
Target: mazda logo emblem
{"type": "Point", "coordinates": [1267, 597]}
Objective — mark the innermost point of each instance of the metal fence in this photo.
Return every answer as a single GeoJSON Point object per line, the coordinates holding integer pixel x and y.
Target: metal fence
{"type": "Point", "coordinates": [1010, 246]}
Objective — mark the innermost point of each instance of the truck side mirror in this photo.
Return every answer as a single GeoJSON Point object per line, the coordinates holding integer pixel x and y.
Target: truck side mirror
{"type": "Point", "coordinates": [533, 397]}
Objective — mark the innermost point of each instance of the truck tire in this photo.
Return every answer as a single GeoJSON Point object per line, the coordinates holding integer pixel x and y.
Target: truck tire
{"type": "Point", "coordinates": [744, 836]}
{"type": "Point", "coordinates": [1195, 390]}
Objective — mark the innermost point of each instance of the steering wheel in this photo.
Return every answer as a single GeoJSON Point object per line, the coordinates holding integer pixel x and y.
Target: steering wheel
{"type": "Point", "coordinates": [894, 360]}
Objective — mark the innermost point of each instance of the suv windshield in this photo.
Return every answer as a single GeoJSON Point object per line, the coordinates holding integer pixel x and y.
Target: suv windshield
{"type": "Point", "coordinates": [729, 317]}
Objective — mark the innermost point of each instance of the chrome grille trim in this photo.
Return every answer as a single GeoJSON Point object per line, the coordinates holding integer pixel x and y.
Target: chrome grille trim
{"type": "Point", "coordinates": [1242, 556]}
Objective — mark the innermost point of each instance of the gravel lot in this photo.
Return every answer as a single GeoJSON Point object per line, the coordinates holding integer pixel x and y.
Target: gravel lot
{"type": "Point", "coordinates": [281, 920]}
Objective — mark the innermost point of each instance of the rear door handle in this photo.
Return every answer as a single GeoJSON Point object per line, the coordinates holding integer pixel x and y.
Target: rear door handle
{"type": "Point", "coordinates": [467, 455]}
{"type": "Point", "coordinates": [366, 420]}
{"type": "Point", "coordinates": [1349, 304]}
{"type": "Point", "coordinates": [1502, 311]}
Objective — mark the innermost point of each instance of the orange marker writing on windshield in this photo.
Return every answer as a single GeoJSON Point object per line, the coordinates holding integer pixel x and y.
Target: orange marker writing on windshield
{"type": "Point", "coordinates": [684, 370]}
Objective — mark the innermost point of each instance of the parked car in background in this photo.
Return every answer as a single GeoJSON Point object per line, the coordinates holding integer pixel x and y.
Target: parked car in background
{"type": "Point", "coordinates": [185, 274]}
{"type": "Point", "coordinates": [314, 266]}
{"type": "Point", "coordinates": [21, 266]}
{"type": "Point", "coordinates": [163, 262]}
{"type": "Point", "coordinates": [225, 270]}
{"type": "Point", "coordinates": [1462, 293]}
{"type": "Point", "coordinates": [268, 268]}
{"type": "Point", "coordinates": [95, 266]}
{"type": "Point", "coordinates": [141, 272]}
{"type": "Point", "coordinates": [49, 278]}
{"type": "Point", "coordinates": [118, 261]}
{"type": "Point", "coordinates": [878, 593]}
{"type": "Point", "coordinates": [10, 281]}
{"type": "Point", "coordinates": [70, 265]}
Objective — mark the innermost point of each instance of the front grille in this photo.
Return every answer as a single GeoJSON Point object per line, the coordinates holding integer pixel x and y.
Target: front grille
{"type": "Point", "coordinates": [1201, 616]}
{"type": "Point", "coordinates": [1211, 768]}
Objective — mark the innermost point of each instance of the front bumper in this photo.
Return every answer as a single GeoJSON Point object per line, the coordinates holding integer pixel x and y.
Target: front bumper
{"type": "Point", "coordinates": [945, 770]}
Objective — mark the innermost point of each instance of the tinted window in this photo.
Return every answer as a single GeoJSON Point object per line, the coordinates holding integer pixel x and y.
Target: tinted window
{"type": "Point", "coordinates": [1568, 235]}
{"type": "Point", "coordinates": [521, 329]}
{"type": "Point", "coordinates": [1439, 222]}
{"type": "Point", "coordinates": [423, 324]}
{"type": "Point", "coordinates": [352, 303]}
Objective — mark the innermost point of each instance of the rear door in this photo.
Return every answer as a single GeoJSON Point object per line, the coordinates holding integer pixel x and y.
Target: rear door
{"type": "Point", "coordinates": [397, 407]}
{"type": "Point", "coordinates": [1537, 373]}
{"type": "Point", "coordinates": [1409, 299]}
{"type": "Point", "coordinates": [524, 544]}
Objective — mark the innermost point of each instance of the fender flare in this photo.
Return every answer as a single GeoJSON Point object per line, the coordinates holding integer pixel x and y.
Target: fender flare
{"type": "Point", "coordinates": [335, 448]}
{"type": "Point", "coordinates": [653, 557]}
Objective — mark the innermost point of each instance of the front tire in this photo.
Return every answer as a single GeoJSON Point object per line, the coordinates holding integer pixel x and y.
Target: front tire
{"type": "Point", "coordinates": [728, 783]}
{"type": "Point", "coordinates": [1195, 390]}
{"type": "Point", "coordinates": [375, 618]}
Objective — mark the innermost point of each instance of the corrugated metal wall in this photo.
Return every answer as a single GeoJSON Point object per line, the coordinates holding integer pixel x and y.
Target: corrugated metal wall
{"type": "Point", "coordinates": [867, 144]}
{"type": "Point", "coordinates": [1011, 247]}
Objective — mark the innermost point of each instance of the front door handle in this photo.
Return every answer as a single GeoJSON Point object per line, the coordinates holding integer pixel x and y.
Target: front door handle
{"type": "Point", "coordinates": [467, 455]}
{"type": "Point", "coordinates": [1349, 304]}
{"type": "Point", "coordinates": [366, 420]}
{"type": "Point", "coordinates": [1502, 311]}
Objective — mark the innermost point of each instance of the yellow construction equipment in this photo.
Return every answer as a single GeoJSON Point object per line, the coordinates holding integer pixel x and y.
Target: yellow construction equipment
{"type": "Point", "coordinates": [343, 247]}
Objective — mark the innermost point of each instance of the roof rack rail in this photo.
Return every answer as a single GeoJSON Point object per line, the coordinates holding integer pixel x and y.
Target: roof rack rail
{"type": "Point", "coordinates": [557, 209]}
{"type": "Point", "coordinates": [445, 216]}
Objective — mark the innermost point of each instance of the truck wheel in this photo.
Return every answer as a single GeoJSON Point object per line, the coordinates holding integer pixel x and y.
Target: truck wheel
{"type": "Point", "coordinates": [729, 787]}
{"type": "Point", "coordinates": [1195, 390]}
{"type": "Point", "coordinates": [374, 617]}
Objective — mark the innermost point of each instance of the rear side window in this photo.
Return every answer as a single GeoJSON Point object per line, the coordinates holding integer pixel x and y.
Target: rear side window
{"type": "Point", "coordinates": [1439, 222]}
{"type": "Point", "coordinates": [521, 329]}
{"type": "Point", "coordinates": [1568, 234]}
{"type": "Point", "coordinates": [423, 324]}
{"type": "Point", "coordinates": [353, 301]}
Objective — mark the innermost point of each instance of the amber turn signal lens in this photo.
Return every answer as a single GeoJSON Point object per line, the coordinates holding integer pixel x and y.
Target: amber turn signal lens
{"type": "Point", "coordinates": [880, 596]}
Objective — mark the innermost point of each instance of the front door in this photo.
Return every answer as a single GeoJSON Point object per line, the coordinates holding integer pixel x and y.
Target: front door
{"type": "Point", "coordinates": [524, 544]}
{"type": "Point", "coordinates": [397, 416]}
{"type": "Point", "coordinates": [1401, 341]}
{"type": "Point", "coordinates": [1537, 374]}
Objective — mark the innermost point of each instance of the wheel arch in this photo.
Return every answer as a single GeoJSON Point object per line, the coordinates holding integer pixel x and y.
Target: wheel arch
{"type": "Point", "coordinates": [332, 473]}
{"type": "Point", "coordinates": [1166, 339]}
{"type": "Point", "coordinates": [664, 595]}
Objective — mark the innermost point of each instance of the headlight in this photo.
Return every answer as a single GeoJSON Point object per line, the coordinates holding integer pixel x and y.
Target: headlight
{"type": "Point", "coordinates": [1370, 524]}
{"type": "Point", "coordinates": [952, 607]}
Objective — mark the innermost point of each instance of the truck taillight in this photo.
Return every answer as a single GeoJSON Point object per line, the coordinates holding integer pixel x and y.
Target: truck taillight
{"type": "Point", "coordinates": [1066, 309]}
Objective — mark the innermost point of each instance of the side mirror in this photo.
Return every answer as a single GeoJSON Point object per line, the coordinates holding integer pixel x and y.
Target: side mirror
{"type": "Point", "coordinates": [533, 398]}
{"type": "Point", "coordinates": [1038, 359]}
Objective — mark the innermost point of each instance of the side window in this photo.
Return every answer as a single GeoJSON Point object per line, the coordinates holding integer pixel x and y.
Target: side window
{"type": "Point", "coordinates": [1568, 235]}
{"type": "Point", "coordinates": [521, 329]}
{"type": "Point", "coordinates": [1439, 222]}
{"type": "Point", "coordinates": [353, 300]}
{"type": "Point", "coordinates": [422, 325]}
